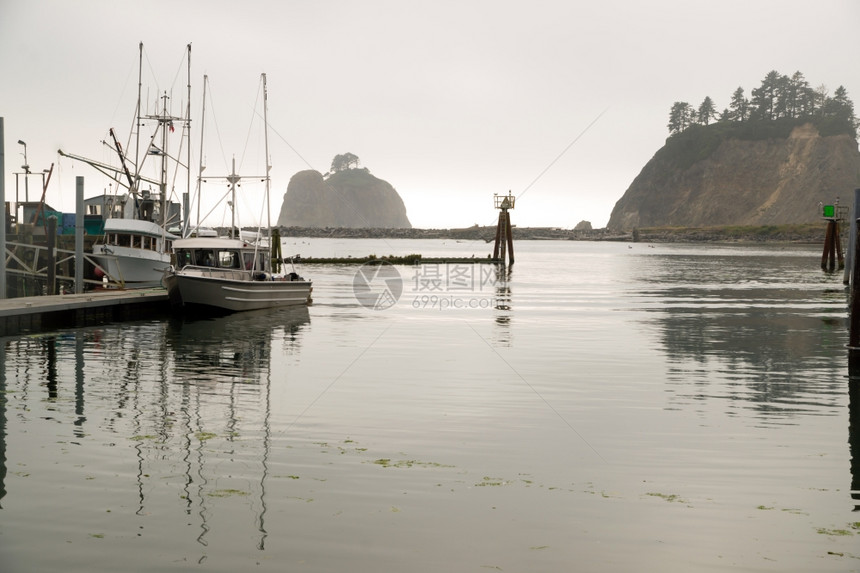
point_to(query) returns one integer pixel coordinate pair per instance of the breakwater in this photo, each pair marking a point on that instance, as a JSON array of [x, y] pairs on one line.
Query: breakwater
[[790, 233]]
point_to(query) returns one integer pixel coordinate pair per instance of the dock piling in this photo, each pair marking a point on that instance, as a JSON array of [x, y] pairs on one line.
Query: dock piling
[[504, 234], [51, 243], [832, 244], [79, 234]]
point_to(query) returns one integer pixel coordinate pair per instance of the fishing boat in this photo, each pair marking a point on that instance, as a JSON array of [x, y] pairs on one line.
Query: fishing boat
[[230, 274], [136, 247], [135, 252]]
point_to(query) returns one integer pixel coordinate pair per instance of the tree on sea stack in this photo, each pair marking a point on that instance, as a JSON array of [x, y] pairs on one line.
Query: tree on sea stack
[[344, 162]]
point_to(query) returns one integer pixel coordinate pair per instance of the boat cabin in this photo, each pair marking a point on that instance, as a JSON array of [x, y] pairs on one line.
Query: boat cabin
[[231, 255], [137, 234]]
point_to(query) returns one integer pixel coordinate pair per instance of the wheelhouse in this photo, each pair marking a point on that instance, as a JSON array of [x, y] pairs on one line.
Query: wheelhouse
[[234, 255]]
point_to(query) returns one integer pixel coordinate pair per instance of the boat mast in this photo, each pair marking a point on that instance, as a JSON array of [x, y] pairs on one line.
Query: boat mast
[[268, 165], [201, 167], [133, 189], [188, 133], [233, 179], [164, 155]]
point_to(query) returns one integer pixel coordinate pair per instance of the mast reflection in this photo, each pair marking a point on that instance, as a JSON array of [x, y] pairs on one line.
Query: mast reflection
[[2, 422], [224, 367], [854, 429]]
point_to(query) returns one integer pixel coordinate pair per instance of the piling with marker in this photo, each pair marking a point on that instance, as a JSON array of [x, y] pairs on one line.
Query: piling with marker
[[504, 234], [832, 253]]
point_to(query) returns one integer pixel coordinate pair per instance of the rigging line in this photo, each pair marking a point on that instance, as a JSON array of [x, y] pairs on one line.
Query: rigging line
[[254, 113], [152, 75], [179, 70], [569, 145], [217, 128], [293, 149], [338, 377], [538, 394], [121, 96], [212, 210]]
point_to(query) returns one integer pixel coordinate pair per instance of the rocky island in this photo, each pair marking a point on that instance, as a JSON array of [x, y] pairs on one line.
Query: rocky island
[[347, 197]]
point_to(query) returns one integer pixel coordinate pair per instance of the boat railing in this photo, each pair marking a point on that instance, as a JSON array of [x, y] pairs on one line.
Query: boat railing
[[218, 272]]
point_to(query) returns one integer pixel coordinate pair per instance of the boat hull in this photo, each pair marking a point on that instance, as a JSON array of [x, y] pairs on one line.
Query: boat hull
[[135, 253], [132, 267], [218, 291]]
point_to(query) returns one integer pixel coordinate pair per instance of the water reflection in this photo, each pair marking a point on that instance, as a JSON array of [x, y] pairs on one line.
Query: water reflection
[[854, 429], [759, 332], [183, 406], [503, 304], [235, 347], [2, 424]]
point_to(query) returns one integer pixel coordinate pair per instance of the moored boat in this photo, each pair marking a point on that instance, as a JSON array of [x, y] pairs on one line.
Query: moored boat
[[215, 274], [136, 248], [135, 252], [230, 275]]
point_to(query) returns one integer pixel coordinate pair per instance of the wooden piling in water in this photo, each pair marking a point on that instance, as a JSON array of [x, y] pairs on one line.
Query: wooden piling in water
[[854, 306], [504, 234], [832, 248], [510, 237]]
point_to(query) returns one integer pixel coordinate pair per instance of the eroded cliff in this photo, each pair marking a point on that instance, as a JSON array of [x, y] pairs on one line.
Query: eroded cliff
[[741, 181]]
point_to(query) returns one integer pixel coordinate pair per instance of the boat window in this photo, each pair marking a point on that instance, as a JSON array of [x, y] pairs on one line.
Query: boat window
[[205, 258], [183, 257], [228, 259], [123, 240]]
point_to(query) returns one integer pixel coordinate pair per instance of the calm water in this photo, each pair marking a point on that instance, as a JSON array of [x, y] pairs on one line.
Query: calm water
[[597, 408]]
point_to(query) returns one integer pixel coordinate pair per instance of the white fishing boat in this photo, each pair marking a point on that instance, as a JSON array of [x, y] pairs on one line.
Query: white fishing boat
[[135, 252], [136, 247], [218, 274]]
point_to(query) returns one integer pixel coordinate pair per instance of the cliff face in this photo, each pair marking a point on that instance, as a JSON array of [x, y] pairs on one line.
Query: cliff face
[[352, 198], [744, 182]]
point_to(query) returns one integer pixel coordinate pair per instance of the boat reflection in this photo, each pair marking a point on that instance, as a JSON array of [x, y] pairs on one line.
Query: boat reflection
[[181, 408], [854, 429], [232, 347], [223, 366]]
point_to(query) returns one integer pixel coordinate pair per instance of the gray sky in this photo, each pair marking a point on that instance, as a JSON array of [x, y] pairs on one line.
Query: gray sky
[[449, 101]]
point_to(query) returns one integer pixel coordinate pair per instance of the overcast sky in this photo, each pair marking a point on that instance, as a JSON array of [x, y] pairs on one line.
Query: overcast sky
[[561, 102]]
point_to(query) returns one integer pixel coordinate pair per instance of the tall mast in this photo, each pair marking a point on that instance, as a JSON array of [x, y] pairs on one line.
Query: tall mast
[[133, 189], [165, 153], [233, 179], [201, 168], [268, 166], [188, 133]]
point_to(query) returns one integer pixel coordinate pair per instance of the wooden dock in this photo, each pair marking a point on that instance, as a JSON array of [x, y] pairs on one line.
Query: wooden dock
[[36, 313]]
